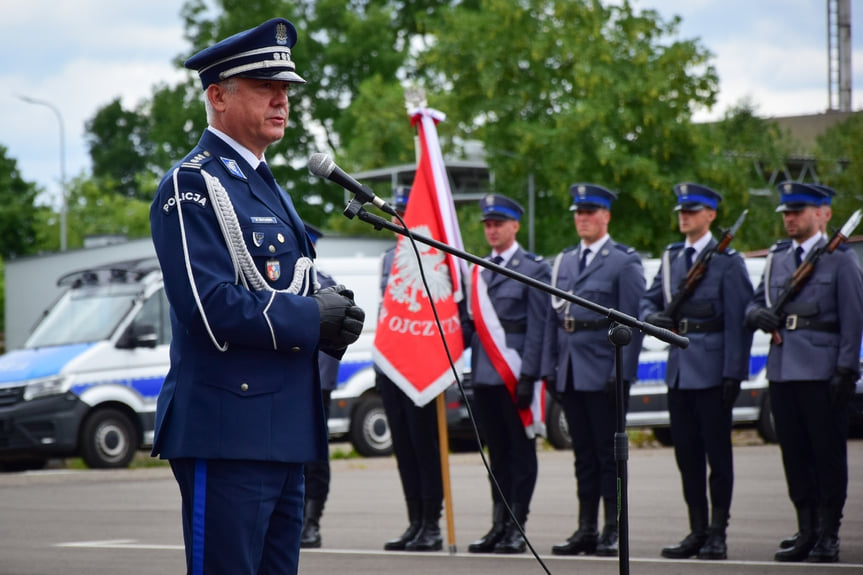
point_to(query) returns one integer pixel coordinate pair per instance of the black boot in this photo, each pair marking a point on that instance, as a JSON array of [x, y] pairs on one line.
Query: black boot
[[512, 540], [789, 542], [826, 549], [414, 522], [311, 534], [585, 538], [692, 542], [715, 546], [428, 538], [805, 540], [498, 525], [606, 546]]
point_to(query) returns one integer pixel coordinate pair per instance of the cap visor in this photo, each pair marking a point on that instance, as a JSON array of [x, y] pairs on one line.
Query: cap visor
[[283, 76], [689, 207], [498, 217]]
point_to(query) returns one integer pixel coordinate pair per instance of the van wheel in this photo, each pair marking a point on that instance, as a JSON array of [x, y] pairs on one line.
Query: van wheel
[[766, 425], [370, 431], [557, 427], [108, 440], [663, 436]]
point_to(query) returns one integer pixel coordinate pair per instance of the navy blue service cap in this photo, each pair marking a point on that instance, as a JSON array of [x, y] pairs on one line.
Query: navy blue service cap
[[794, 196], [313, 232], [694, 197], [497, 207], [828, 191], [590, 197], [400, 197], [264, 53]]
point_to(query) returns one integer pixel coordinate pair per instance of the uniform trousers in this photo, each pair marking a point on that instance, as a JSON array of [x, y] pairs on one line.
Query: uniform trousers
[[812, 436], [318, 472], [415, 442], [592, 420], [701, 432], [240, 517], [512, 454]]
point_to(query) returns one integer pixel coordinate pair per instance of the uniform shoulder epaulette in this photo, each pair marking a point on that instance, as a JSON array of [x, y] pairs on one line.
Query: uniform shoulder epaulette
[[533, 257], [569, 249], [728, 252], [624, 248], [780, 245], [675, 246], [843, 248], [197, 161]]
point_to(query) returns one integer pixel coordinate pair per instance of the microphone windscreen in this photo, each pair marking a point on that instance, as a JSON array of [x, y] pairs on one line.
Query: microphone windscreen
[[321, 165]]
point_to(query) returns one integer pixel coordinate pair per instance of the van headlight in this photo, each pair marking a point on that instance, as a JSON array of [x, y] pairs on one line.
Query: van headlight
[[43, 387]]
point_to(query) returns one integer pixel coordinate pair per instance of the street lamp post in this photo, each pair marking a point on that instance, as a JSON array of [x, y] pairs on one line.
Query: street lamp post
[[62, 165]]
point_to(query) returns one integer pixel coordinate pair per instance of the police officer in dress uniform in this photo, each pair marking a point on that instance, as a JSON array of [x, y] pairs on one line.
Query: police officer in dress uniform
[[522, 312], [812, 372], [578, 352], [317, 473], [415, 443], [240, 410], [703, 379]]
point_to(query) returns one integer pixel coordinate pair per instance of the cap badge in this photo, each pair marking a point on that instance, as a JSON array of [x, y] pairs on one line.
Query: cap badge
[[489, 200], [281, 34], [787, 187], [683, 189], [582, 191]]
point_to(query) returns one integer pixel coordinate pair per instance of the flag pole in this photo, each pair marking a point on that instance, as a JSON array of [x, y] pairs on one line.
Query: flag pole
[[415, 98]]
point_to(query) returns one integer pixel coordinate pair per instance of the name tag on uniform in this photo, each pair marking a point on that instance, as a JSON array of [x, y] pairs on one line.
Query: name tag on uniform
[[263, 220]]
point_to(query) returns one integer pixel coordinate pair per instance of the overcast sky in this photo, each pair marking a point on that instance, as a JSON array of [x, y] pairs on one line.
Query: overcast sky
[[78, 56]]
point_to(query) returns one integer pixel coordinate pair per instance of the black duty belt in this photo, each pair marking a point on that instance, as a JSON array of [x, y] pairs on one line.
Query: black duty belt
[[513, 326], [795, 322], [570, 325], [687, 325]]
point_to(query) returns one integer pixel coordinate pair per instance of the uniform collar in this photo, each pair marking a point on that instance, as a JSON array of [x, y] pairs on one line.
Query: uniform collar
[[596, 246], [506, 254], [808, 244], [699, 246], [243, 151]]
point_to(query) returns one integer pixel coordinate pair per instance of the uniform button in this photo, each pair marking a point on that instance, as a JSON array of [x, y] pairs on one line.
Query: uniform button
[[244, 387], [295, 348], [281, 238], [272, 249]]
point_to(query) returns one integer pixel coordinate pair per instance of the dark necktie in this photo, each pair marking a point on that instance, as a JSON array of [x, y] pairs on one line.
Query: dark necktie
[[583, 262], [798, 256], [285, 200], [690, 251], [497, 260]]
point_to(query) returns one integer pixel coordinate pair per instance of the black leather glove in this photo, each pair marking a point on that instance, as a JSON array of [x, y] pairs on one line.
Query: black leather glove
[[730, 391], [842, 387], [524, 391], [341, 319], [659, 319], [763, 319]]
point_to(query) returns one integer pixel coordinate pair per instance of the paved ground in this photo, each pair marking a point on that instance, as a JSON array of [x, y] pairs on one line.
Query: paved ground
[[127, 522]]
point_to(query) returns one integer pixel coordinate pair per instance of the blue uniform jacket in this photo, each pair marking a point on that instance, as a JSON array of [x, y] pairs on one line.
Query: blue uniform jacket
[[259, 399], [722, 295], [834, 293], [614, 279], [519, 305]]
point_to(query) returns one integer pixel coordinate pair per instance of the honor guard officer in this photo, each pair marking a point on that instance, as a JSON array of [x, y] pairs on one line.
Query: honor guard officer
[[317, 473], [415, 442], [703, 379], [521, 312], [581, 359], [812, 372], [240, 410]]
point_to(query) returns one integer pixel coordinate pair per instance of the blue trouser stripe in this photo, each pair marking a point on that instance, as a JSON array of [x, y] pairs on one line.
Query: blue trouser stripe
[[199, 507]]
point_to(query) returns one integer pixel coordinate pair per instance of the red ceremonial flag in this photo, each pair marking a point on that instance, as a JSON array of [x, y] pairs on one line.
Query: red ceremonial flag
[[408, 346]]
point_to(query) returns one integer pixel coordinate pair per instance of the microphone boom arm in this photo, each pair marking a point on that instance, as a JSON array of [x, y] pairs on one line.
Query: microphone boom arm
[[355, 208]]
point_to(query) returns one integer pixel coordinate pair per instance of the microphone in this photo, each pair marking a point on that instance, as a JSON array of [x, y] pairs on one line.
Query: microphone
[[323, 166]]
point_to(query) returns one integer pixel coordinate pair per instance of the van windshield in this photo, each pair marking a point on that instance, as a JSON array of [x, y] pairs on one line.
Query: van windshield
[[84, 314]]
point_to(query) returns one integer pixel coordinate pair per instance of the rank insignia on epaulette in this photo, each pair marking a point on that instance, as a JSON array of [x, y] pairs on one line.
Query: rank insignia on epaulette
[[233, 167]]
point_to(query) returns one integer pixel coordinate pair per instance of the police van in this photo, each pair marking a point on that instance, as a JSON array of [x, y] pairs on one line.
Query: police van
[[86, 380]]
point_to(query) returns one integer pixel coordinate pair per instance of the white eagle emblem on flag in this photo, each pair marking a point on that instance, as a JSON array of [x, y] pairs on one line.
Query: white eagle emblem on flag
[[405, 283]]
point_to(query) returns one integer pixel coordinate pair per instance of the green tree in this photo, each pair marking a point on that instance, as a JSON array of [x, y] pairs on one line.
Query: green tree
[[840, 163], [17, 209]]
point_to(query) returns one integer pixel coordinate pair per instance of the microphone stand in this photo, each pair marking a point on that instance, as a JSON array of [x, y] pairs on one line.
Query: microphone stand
[[619, 333]]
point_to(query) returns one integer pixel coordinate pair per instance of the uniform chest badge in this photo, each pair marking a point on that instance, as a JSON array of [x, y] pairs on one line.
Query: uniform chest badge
[[274, 270], [233, 167], [258, 238]]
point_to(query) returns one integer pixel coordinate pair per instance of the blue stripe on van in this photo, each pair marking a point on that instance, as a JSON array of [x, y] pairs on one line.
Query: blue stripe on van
[[654, 371], [347, 369], [24, 364], [147, 387]]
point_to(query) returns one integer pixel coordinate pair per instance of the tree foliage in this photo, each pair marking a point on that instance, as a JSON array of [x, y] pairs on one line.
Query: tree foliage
[[18, 212]]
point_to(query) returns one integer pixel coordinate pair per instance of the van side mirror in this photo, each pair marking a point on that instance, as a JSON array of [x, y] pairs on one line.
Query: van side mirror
[[139, 335]]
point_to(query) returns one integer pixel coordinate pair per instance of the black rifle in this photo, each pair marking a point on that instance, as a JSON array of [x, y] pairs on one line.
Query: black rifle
[[804, 271], [699, 268]]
